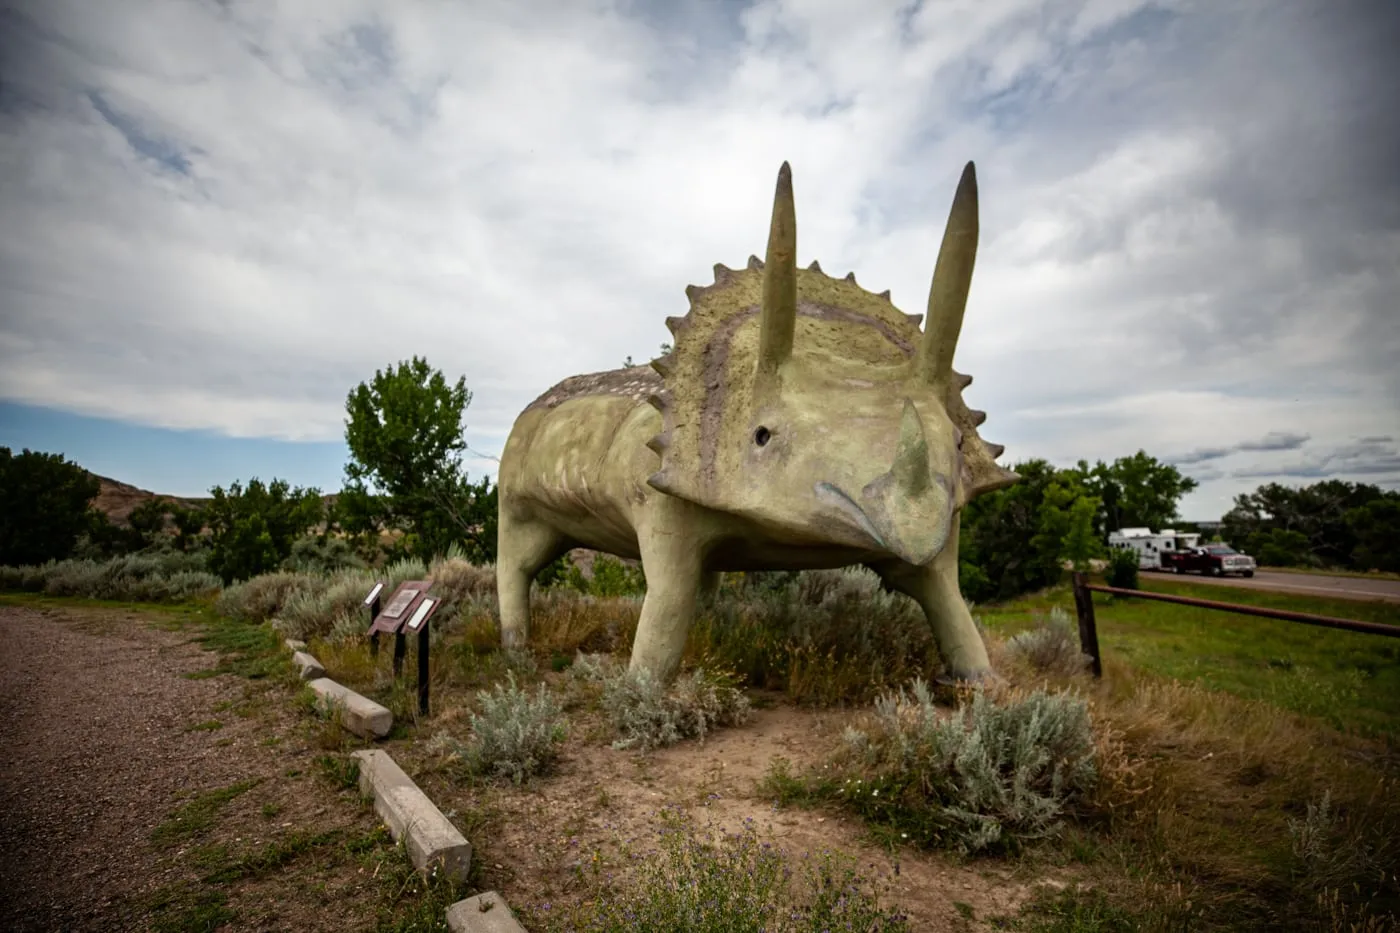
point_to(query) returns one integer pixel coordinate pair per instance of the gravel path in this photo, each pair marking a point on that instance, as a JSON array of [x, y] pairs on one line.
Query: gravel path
[[94, 716]]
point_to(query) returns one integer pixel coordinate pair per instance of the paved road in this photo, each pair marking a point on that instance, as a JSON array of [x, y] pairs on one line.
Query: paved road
[[1304, 584]]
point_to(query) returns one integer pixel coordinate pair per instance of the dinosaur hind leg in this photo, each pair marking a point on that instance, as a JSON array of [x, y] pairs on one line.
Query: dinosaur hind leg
[[523, 548]]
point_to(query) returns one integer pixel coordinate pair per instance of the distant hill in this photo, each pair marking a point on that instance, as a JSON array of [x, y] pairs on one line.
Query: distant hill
[[116, 499]]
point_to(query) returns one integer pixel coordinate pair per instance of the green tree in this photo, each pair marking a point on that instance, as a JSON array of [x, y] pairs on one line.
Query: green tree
[[1376, 527], [1134, 492], [253, 529], [189, 526], [404, 432], [1318, 513], [147, 522], [44, 506], [999, 552]]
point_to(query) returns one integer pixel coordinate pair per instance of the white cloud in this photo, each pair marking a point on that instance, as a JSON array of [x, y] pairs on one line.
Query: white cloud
[[522, 191]]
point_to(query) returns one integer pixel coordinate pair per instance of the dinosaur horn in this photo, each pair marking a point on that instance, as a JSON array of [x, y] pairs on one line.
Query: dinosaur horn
[[910, 469], [952, 277], [779, 315]]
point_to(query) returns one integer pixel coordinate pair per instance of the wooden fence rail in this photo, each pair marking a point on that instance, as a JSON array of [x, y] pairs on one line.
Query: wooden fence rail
[[1089, 632]]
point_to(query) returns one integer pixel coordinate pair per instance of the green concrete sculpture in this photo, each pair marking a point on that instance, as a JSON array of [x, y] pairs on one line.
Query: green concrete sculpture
[[801, 422]]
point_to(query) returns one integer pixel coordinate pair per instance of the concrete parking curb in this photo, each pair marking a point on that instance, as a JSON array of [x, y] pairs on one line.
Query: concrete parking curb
[[358, 714], [310, 668], [484, 913], [427, 834]]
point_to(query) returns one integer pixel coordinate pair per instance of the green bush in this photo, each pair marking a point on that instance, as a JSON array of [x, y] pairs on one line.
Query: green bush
[[989, 776], [311, 554], [1123, 569], [610, 577], [515, 736]]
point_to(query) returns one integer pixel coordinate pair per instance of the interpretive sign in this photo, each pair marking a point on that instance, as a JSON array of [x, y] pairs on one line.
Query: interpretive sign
[[409, 610], [400, 607]]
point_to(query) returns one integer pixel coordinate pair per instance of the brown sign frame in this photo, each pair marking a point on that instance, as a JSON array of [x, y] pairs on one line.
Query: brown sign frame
[[403, 607]]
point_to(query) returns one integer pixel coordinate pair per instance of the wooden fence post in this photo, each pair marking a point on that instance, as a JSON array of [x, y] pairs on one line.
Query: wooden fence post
[[1088, 629]]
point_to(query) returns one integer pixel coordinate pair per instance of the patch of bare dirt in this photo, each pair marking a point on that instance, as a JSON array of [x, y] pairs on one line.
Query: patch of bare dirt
[[106, 742], [538, 836]]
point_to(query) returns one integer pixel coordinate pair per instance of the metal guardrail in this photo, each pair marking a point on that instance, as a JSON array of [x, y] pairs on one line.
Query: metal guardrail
[[1089, 632]]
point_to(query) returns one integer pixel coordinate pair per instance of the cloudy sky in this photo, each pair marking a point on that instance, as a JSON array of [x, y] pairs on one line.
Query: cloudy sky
[[217, 217]]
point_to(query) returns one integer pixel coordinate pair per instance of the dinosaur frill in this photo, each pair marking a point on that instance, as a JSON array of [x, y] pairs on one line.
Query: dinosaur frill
[[739, 333]]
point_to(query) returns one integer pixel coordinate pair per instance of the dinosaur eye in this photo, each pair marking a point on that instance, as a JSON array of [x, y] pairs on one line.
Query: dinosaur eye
[[760, 437]]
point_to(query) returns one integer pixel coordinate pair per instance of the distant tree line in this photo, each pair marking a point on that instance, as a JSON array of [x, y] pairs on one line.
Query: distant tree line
[[406, 494], [1332, 523]]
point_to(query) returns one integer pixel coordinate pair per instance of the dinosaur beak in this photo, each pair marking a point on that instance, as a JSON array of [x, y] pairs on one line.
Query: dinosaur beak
[[907, 510]]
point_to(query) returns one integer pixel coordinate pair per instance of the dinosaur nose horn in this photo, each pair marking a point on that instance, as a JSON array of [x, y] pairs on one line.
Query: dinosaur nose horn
[[911, 467]]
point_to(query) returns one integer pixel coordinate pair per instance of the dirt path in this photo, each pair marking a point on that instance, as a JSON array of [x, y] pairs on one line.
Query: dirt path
[[124, 780]]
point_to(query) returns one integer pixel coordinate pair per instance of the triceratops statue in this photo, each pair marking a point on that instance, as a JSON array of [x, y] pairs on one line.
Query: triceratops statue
[[801, 422]]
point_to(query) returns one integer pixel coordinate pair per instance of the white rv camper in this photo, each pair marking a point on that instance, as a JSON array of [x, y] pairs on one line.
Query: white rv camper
[[1149, 546]]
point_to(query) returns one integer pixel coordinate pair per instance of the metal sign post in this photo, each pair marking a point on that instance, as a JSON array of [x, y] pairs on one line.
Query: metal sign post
[[418, 622]]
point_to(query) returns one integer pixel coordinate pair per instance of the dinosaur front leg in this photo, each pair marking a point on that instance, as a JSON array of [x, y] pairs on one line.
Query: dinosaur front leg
[[935, 588], [672, 563], [523, 548]]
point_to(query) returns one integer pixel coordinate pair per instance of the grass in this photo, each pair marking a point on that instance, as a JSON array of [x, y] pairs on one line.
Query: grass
[[1348, 679], [198, 815]]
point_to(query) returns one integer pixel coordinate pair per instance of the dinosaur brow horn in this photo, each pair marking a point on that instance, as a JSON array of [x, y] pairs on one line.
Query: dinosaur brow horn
[[952, 278], [778, 318]]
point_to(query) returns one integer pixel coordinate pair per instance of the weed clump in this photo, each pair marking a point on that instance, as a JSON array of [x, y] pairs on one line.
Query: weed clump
[[516, 735], [648, 714], [1052, 647], [989, 776]]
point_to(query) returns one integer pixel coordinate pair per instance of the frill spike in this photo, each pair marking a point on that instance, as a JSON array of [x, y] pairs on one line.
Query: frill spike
[[722, 273], [675, 325], [692, 291], [915, 319], [755, 263], [659, 443], [661, 401], [996, 450], [978, 417], [815, 266], [665, 365], [851, 277], [886, 295], [962, 380]]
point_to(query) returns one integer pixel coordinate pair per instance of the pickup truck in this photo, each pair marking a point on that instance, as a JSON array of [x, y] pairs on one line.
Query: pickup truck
[[1214, 559]]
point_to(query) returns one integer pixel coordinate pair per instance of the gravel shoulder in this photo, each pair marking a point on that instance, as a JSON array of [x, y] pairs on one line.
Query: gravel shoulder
[[140, 794]]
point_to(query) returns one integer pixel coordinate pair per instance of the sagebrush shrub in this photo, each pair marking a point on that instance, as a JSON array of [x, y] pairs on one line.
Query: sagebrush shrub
[[516, 734], [149, 577], [648, 713], [822, 636], [989, 775], [1050, 647]]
